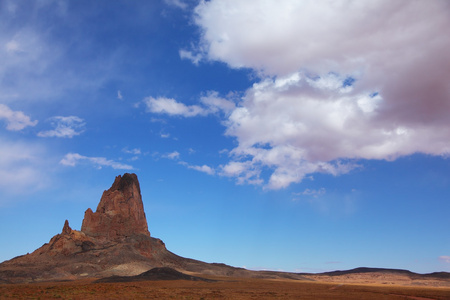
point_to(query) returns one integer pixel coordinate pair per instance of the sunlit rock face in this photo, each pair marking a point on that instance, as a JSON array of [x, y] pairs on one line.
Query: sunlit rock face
[[120, 213]]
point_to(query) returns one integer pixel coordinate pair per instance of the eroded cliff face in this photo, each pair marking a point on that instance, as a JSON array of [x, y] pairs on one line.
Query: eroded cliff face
[[120, 213], [119, 218], [114, 240], [67, 243]]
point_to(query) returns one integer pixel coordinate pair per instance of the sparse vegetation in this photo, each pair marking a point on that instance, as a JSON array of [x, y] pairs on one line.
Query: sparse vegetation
[[229, 288]]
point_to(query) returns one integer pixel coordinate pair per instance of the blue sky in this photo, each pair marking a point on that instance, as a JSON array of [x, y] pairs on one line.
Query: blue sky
[[297, 135]]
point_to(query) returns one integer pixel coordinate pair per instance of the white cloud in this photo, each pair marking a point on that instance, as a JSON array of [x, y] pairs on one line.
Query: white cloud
[[135, 151], [445, 258], [215, 104], [340, 81], [65, 127], [212, 104], [172, 155], [244, 172], [176, 3], [119, 95], [72, 159], [189, 55], [175, 155], [281, 37], [172, 107], [290, 127], [204, 168], [15, 120]]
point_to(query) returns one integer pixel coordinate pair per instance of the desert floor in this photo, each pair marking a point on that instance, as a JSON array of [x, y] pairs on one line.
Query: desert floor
[[224, 288]]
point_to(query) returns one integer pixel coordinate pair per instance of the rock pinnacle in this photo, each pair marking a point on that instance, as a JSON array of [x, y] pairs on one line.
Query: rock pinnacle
[[120, 213]]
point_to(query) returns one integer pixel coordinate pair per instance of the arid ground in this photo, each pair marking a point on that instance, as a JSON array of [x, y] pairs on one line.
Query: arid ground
[[223, 288]]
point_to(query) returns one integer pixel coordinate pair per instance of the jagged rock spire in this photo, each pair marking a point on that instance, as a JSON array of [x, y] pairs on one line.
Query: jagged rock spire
[[120, 212], [66, 228]]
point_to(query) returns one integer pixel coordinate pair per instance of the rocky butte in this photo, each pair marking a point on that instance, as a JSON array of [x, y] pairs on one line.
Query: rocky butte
[[113, 240]]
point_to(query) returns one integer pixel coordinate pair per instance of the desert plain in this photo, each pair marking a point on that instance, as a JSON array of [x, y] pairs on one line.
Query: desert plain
[[220, 288]]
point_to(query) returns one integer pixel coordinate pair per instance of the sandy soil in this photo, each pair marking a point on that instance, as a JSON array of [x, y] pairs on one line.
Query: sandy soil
[[382, 279], [223, 288]]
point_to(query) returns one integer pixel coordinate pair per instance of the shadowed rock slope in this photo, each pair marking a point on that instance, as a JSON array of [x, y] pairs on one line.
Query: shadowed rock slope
[[163, 273], [113, 240]]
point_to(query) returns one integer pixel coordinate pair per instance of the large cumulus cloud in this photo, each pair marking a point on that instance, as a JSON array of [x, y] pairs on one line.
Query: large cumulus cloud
[[339, 81]]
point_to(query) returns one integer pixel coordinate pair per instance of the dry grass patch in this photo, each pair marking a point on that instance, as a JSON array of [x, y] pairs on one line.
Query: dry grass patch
[[225, 288]]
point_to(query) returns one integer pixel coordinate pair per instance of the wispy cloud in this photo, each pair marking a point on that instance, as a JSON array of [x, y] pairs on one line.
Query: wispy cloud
[[203, 168], [65, 127], [119, 95], [13, 47], [445, 259], [312, 192], [41, 65], [72, 159], [214, 103], [172, 155], [340, 204], [245, 172], [177, 3], [15, 120], [189, 55], [172, 107], [175, 155], [23, 167], [134, 151], [211, 104]]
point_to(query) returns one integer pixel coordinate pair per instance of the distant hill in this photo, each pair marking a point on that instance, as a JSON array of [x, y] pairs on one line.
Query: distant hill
[[439, 275]]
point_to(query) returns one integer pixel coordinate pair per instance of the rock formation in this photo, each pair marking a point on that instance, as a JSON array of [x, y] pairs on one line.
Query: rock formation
[[119, 214], [113, 241]]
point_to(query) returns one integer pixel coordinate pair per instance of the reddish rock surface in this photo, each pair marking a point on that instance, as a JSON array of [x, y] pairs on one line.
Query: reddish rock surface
[[119, 214], [66, 243]]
